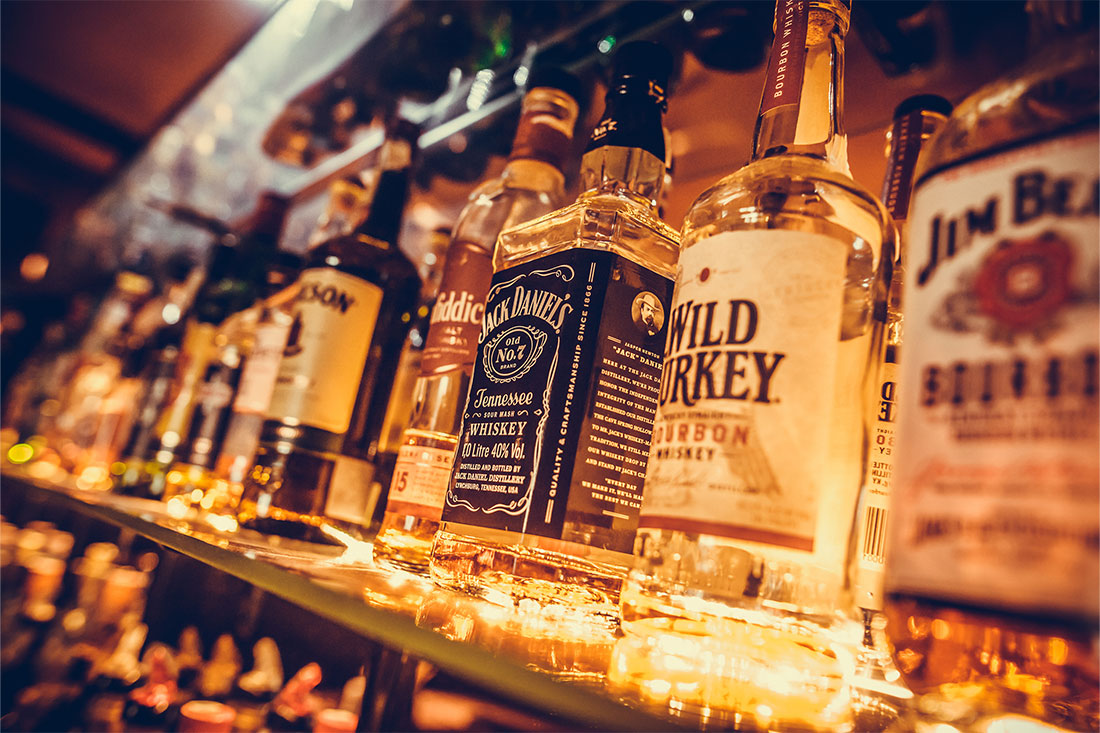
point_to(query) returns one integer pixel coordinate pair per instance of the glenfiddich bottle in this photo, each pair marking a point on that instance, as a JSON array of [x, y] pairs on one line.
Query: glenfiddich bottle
[[532, 184], [758, 449], [992, 579], [356, 297], [235, 278], [543, 499]]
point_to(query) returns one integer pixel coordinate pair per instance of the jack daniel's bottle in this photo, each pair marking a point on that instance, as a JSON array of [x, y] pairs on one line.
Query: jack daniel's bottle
[[759, 444], [992, 579], [531, 185], [355, 302], [543, 499]]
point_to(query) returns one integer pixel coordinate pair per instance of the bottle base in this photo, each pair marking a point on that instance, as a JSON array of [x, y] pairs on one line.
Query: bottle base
[[405, 542], [515, 575]]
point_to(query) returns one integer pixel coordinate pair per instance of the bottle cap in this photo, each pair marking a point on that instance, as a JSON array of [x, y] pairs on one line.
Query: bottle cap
[[644, 60], [930, 102], [636, 98]]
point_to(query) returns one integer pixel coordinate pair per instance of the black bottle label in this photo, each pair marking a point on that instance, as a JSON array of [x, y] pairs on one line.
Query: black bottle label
[[560, 411]]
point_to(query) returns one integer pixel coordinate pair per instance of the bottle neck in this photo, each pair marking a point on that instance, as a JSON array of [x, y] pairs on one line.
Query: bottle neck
[[904, 141], [626, 156], [800, 111], [383, 220], [632, 173]]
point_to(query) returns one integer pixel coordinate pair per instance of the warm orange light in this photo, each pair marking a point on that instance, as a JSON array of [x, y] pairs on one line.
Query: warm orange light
[[34, 266]]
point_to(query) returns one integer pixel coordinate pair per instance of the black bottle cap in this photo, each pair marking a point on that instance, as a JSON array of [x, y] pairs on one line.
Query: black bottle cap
[[643, 59], [556, 77], [636, 97], [399, 128], [930, 102]]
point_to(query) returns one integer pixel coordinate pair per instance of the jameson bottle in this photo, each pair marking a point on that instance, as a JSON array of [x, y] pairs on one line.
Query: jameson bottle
[[532, 184], [992, 583], [234, 280], [356, 296], [543, 499], [758, 449]]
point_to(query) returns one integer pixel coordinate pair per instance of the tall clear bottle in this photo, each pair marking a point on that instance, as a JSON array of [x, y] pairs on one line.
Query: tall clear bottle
[[877, 691], [758, 450], [543, 499], [992, 583], [356, 295], [532, 184]]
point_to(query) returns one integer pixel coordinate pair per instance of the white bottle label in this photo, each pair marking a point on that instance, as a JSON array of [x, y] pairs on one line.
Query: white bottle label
[[322, 365], [420, 479], [874, 508], [997, 487], [261, 368], [741, 435]]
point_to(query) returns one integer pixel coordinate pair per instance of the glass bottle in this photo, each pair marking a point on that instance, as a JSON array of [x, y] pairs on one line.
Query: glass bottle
[[312, 471], [234, 279], [542, 501], [234, 393], [758, 451], [876, 689], [992, 585], [531, 184]]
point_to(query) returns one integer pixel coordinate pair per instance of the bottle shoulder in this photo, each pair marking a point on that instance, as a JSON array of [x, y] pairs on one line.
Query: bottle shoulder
[[792, 192], [1057, 89], [603, 221], [497, 205], [362, 257]]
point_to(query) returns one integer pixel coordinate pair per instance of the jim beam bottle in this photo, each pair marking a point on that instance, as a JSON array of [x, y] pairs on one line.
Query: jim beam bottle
[[234, 280], [356, 295], [532, 184], [992, 596], [543, 499], [758, 449]]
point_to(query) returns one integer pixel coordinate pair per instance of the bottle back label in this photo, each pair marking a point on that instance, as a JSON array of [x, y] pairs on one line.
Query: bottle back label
[[874, 510], [998, 495], [458, 310], [326, 350], [210, 420], [742, 432], [562, 398], [261, 368]]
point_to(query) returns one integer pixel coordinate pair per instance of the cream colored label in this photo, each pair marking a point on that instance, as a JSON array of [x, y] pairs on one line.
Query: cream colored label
[[874, 508], [741, 433], [322, 365], [261, 368], [420, 480], [351, 492], [997, 488]]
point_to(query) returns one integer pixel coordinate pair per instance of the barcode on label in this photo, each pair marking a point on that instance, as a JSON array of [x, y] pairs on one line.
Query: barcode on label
[[874, 534]]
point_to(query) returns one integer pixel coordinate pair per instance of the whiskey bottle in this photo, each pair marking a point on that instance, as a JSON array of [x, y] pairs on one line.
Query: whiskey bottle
[[261, 332], [356, 297], [543, 499], [759, 443], [532, 184], [877, 694], [992, 595], [916, 119], [234, 280], [230, 400]]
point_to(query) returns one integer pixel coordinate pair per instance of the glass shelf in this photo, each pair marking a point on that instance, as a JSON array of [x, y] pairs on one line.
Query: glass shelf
[[553, 664]]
